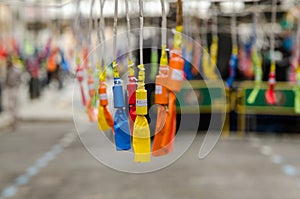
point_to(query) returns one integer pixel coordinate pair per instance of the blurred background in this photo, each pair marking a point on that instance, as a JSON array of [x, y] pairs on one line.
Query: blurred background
[[49, 50]]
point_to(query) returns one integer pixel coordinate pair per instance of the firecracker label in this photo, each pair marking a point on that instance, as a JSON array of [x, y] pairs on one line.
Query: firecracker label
[[91, 86], [158, 89], [141, 103], [177, 74], [103, 96], [80, 74]]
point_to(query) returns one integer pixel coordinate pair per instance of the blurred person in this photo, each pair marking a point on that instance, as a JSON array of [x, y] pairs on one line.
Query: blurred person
[[54, 67], [33, 65], [3, 57], [1, 107], [13, 81], [64, 65]]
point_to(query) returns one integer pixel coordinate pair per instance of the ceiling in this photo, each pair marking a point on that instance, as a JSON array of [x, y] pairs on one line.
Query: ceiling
[[53, 9]]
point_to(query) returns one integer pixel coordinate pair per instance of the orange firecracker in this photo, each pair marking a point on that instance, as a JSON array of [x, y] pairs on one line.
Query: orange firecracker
[[92, 91]]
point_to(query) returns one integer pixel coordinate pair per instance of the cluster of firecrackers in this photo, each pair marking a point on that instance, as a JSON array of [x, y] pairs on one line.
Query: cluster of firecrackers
[[130, 128]]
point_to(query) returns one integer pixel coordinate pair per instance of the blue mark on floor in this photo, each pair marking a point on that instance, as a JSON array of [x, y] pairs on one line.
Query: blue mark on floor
[[290, 170], [32, 171], [277, 159], [22, 180], [9, 192]]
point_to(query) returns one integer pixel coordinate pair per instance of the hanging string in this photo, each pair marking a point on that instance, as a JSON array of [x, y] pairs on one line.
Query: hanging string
[[214, 46], [77, 31], [116, 72], [233, 30], [90, 24], [255, 22], [164, 57], [102, 22], [204, 32], [179, 19], [77, 17], [121, 126], [98, 28], [163, 24], [233, 58], [100, 40], [272, 37], [141, 132], [215, 22], [141, 30], [91, 103], [101, 34], [270, 93], [179, 28], [115, 30], [141, 75], [128, 28], [79, 68], [298, 41], [205, 51], [256, 59]]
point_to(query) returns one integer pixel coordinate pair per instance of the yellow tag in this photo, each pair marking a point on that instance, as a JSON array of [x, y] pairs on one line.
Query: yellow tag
[[164, 57], [141, 102], [235, 50], [178, 37], [116, 72], [273, 67], [130, 70]]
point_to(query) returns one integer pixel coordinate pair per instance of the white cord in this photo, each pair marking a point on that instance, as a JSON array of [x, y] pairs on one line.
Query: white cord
[[128, 29], [233, 30], [101, 36], [77, 21], [215, 22], [90, 23], [115, 30], [204, 32], [141, 30], [272, 37], [163, 24]]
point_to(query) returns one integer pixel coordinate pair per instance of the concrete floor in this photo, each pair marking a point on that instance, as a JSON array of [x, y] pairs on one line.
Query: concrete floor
[[255, 167]]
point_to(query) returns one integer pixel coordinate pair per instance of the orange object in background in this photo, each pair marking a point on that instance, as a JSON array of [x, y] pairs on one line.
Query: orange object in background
[[270, 93], [103, 101], [85, 52], [102, 94], [79, 75], [92, 91], [103, 98], [51, 63], [175, 76], [91, 86], [91, 111]]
